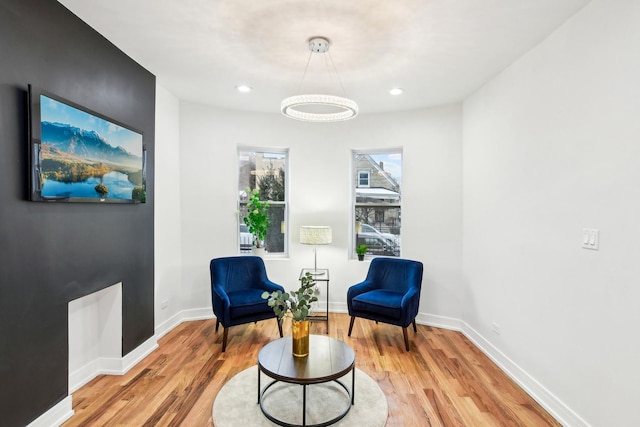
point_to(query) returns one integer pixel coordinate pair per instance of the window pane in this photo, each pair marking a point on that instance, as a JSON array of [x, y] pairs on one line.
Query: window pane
[[363, 179], [378, 177], [264, 171], [246, 239], [381, 237], [275, 240], [377, 201]]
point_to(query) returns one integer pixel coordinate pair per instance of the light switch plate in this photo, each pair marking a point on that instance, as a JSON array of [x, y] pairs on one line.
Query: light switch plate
[[591, 239]]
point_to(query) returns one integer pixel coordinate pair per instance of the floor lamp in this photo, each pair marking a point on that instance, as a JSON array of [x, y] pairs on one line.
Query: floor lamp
[[315, 235]]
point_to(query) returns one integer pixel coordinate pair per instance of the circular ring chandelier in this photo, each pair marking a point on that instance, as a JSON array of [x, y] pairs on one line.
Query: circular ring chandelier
[[334, 108], [346, 108]]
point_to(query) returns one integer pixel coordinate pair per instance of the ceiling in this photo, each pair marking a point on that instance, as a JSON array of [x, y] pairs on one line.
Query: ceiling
[[438, 51]]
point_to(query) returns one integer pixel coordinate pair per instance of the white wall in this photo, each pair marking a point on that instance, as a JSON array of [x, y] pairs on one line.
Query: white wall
[[547, 148], [319, 194], [552, 146], [167, 235]]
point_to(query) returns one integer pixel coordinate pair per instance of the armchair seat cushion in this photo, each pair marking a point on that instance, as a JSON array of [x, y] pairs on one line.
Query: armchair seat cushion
[[247, 302], [383, 302]]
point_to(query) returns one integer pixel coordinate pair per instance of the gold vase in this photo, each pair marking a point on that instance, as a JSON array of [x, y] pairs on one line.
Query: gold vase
[[300, 338]]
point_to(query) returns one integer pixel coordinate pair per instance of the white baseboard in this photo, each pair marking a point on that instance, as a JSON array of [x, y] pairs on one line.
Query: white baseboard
[[335, 307], [135, 356], [55, 416], [116, 366], [183, 316], [421, 318], [110, 365], [83, 375], [197, 314], [439, 321], [62, 411], [120, 366], [558, 409]]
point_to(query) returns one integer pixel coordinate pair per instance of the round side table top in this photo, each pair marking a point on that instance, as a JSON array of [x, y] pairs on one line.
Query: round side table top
[[328, 359]]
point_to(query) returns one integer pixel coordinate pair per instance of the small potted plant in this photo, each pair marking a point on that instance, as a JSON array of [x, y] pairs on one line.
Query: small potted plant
[[257, 219], [361, 250], [296, 305]]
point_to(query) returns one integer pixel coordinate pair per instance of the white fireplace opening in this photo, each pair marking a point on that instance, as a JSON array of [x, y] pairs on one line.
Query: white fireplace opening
[[95, 336]]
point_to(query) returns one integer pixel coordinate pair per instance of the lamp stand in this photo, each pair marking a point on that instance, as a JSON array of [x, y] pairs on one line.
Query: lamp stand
[[315, 271]]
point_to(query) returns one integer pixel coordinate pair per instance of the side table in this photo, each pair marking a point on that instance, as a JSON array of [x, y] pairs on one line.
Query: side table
[[319, 275]]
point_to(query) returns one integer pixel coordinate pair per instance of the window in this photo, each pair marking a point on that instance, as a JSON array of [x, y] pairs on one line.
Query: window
[[265, 171], [363, 178], [377, 200]]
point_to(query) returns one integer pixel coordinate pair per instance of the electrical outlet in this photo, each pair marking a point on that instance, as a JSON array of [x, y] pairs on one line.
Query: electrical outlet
[[495, 328], [164, 304]]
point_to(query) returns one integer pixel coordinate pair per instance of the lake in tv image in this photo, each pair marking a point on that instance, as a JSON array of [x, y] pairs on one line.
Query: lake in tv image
[[85, 156]]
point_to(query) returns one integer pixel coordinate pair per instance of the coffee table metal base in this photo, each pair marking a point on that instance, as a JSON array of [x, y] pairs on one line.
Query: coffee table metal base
[[329, 360], [350, 394]]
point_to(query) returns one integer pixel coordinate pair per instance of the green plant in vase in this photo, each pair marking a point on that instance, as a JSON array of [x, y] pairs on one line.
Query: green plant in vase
[[297, 305], [361, 250], [257, 219]]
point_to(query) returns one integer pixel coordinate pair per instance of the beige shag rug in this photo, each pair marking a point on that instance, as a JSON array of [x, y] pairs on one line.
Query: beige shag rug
[[236, 403]]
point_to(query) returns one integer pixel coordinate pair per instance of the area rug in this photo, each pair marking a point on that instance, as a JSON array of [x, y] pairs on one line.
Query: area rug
[[236, 403]]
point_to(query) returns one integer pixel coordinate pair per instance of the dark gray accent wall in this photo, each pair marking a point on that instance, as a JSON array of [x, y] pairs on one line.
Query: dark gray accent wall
[[52, 253]]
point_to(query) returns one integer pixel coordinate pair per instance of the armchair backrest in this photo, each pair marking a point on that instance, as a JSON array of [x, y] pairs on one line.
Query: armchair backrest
[[395, 274], [238, 272]]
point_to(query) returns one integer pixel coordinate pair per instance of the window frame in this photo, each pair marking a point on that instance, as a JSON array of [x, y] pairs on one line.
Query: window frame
[[284, 226], [354, 180]]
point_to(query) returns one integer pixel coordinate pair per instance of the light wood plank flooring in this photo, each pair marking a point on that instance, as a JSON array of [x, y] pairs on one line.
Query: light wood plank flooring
[[443, 381]]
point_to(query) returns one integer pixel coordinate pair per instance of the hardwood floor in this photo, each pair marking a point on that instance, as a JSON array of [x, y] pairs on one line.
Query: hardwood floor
[[443, 381]]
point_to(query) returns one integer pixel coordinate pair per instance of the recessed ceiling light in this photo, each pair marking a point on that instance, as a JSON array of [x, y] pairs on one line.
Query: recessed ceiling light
[[244, 88], [396, 91]]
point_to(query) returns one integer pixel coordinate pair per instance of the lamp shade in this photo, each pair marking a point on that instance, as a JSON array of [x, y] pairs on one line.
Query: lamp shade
[[315, 235]]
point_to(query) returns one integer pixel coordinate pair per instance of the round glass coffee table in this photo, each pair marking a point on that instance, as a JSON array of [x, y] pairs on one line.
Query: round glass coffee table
[[329, 359]]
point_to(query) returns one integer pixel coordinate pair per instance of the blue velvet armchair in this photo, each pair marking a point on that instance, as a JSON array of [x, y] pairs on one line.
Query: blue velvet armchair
[[237, 284], [390, 294]]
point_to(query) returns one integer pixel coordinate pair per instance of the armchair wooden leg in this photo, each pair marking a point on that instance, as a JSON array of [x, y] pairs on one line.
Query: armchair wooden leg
[[406, 338], [279, 327], [415, 328], [224, 339], [217, 324], [353, 319]]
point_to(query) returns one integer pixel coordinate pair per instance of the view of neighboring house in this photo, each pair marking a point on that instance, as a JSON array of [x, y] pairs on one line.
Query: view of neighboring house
[[377, 209], [372, 180]]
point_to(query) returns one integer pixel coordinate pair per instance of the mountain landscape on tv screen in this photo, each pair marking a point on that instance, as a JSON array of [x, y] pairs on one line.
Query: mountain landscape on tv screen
[[74, 161], [88, 145]]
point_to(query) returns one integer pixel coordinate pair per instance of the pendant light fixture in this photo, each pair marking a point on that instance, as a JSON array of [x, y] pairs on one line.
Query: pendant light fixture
[[315, 107]]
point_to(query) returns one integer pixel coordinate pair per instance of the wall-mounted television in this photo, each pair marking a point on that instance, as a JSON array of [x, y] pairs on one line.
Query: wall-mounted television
[[78, 155]]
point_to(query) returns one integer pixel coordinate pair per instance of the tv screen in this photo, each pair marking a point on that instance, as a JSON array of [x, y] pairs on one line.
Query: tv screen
[[78, 155]]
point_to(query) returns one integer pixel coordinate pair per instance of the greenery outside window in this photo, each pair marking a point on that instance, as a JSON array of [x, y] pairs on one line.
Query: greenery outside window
[[266, 171], [377, 197]]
